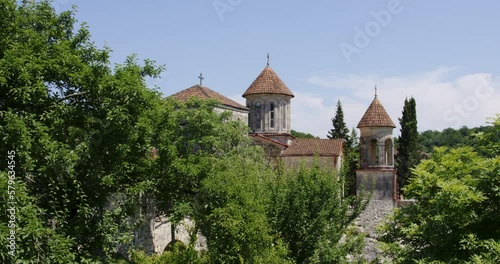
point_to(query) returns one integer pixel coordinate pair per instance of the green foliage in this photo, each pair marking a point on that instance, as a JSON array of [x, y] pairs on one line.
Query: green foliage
[[311, 216], [350, 164], [488, 140], [179, 254], [452, 138], [408, 146], [299, 134], [33, 240], [206, 168], [340, 129], [455, 216], [81, 130], [233, 217]]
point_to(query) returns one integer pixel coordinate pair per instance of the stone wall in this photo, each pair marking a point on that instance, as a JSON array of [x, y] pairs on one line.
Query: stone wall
[[381, 182], [237, 114], [326, 162], [156, 233], [368, 221]]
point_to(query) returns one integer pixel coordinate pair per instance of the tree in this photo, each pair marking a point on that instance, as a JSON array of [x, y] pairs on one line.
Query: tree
[[31, 240], [311, 216], [340, 129], [350, 165], [452, 138], [408, 147], [455, 216], [80, 130], [489, 138], [233, 211], [206, 169]]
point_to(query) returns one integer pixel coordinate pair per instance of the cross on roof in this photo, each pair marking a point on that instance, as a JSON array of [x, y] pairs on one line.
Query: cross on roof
[[201, 78]]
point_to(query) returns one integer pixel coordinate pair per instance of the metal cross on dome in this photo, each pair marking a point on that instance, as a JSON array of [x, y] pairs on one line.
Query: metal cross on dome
[[201, 78]]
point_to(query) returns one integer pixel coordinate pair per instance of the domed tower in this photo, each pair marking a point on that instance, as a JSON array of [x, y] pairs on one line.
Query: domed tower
[[377, 153], [268, 99]]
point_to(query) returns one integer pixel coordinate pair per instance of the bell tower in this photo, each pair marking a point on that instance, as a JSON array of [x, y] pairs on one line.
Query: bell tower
[[376, 172], [269, 101]]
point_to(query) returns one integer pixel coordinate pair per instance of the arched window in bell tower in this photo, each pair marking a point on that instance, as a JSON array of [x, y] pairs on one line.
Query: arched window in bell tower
[[257, 115], [271, 114], [388, 153]]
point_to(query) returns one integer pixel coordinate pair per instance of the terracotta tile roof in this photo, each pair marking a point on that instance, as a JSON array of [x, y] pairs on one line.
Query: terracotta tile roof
[[203, 92], [314, 146], [268, 82], [376, 116]]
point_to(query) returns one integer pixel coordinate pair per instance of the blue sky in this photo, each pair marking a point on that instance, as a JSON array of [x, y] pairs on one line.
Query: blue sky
[[444, 53]]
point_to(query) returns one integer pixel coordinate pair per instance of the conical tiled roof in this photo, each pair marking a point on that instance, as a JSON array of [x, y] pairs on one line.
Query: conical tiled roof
[[268, 82], [203, 92], [376, 116]]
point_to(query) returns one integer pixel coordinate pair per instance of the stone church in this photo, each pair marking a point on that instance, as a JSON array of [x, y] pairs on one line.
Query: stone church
[[268, 114]]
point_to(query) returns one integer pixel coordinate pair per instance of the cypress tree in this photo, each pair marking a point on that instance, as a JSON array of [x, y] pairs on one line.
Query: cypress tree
[[408, 145], [351, 152], [340, 129]]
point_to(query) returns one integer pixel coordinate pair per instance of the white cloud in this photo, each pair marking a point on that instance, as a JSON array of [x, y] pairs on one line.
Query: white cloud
[[441, 101]]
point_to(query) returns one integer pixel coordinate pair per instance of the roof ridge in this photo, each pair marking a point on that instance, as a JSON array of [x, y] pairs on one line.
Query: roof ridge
[[204, 92], [201, 87]]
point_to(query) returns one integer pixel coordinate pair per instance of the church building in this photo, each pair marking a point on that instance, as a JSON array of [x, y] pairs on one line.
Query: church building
[[268, 114]]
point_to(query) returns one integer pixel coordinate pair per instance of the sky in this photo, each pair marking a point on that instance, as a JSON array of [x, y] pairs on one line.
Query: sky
[[445, 54]]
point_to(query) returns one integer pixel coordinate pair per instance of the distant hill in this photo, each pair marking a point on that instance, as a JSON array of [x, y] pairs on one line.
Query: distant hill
[[452, 138], [298, 134]]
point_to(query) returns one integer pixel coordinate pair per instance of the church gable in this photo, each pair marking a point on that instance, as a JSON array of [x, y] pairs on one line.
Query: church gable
[[203, 92]]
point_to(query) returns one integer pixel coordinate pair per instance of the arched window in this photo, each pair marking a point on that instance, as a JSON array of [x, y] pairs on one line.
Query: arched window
[[257, 115], [271, 107], [388, 152], [373, 152]]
